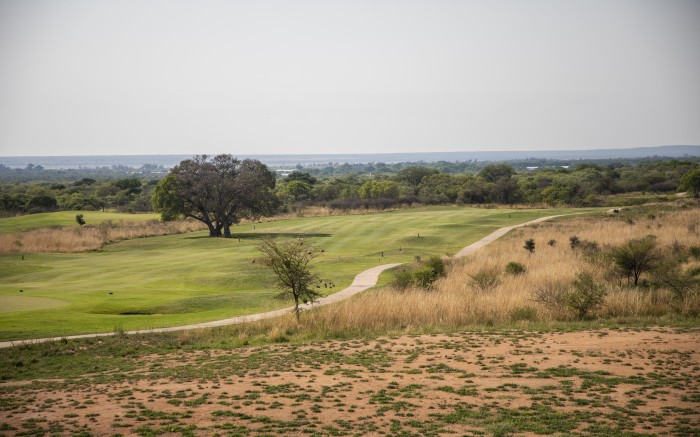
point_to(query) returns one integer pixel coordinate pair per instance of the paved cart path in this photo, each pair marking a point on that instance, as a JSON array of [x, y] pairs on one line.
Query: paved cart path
[[362, 282]]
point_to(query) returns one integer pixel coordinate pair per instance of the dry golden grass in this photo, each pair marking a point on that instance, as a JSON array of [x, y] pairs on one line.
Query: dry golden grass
[[454, 302], [86, 238]]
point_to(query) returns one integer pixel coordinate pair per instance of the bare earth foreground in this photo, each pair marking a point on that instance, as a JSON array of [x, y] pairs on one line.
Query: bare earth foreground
[[606, 382]]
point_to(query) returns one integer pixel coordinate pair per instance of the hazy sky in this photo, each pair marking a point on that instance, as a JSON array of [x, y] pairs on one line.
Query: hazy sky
[[298, 76]]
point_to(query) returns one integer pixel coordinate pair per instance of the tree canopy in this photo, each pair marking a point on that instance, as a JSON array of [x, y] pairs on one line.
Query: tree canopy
[[217, 191], [291, 263]]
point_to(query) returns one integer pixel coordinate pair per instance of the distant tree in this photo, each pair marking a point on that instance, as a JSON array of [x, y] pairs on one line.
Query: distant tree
[[636, 257], [690, 182], [130, 185], [530, 246], [379, 190], [300, 176], [79, 219], [494, 172], [84, 181], [291, 263], [40, 203], [297, 189], [414, 175], [218, 192]]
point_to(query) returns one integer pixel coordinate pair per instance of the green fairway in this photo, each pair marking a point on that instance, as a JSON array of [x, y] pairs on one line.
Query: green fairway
[[67, 218], [187, 278]]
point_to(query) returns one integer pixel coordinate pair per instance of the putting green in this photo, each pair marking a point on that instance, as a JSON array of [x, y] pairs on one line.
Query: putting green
[[190, 278], [10, 304]]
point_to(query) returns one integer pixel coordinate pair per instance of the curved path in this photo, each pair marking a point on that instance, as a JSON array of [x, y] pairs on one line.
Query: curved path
[[362, 282]]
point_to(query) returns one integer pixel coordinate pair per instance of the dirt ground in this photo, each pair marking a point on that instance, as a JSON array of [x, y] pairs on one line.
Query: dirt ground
[[607, 382]]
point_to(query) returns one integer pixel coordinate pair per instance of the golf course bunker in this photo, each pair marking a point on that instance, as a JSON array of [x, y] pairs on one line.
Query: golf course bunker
[[10, 304]]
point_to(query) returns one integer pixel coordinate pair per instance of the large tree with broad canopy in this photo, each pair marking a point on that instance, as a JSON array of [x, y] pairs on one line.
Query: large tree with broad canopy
[[217, 191]]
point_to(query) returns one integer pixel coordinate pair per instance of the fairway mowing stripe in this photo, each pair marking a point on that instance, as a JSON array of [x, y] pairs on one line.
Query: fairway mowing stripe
[[363, 281]]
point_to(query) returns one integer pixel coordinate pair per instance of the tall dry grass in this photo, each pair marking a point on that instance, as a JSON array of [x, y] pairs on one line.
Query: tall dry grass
[[455, 302], [86, 238]]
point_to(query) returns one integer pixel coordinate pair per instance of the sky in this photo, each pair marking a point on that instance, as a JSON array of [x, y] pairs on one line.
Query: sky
[[104, 77]]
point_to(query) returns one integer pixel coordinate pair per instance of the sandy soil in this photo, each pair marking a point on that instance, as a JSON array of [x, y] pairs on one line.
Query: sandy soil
[[603, 382]]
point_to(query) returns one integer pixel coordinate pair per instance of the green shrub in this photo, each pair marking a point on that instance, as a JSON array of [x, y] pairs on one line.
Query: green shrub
[[524, 313], [586, 296], [515, 268], [403, 279], [424, 277], [573, 242], [437, 264], [529, 246], [695, 251]]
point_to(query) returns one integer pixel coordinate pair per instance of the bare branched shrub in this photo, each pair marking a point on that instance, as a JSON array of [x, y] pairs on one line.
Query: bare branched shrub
[[552, 294], [485, 279]]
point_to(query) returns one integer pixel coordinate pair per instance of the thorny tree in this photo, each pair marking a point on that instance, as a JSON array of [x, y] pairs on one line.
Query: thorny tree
[[291, 262]]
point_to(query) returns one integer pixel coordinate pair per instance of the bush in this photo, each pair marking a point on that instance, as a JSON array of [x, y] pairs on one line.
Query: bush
[[423, 275], [551, 294], [403, 279], [524, 313], [437, 264], [515, 268], [573, 241], [586, 295], [695, 251], [485, 279], [529, 246]]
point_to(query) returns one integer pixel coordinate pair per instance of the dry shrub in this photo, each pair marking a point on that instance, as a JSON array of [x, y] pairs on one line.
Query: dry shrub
[[86, 238]]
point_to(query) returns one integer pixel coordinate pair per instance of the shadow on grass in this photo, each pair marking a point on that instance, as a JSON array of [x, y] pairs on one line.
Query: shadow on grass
[[261, 235]]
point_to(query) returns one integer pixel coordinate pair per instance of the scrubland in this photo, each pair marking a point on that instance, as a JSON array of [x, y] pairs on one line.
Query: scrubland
[[465, 299]]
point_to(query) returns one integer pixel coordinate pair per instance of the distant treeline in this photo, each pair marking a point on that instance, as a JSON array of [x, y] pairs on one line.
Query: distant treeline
[[582, 185], [349, 186]]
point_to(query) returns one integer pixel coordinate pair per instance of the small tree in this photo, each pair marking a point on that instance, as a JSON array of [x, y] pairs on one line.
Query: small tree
[[574, 242], [691, 183], [636, 257], [79, 219], [290, 261], [530, 246]]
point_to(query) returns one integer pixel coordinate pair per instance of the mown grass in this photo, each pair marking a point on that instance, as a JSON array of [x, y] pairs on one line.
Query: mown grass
[[181, 279]]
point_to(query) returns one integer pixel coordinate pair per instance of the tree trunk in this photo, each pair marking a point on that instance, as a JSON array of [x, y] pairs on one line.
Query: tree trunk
[[296, 306], [227, 230]]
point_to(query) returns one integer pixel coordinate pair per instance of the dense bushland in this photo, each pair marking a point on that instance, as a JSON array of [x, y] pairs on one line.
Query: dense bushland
[[375, 186]]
